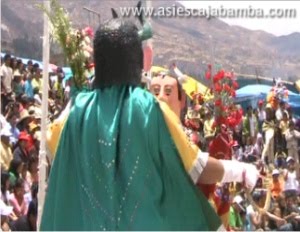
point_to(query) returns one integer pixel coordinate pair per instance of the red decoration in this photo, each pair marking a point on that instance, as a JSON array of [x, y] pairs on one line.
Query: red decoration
[[227, 115], [208, 72], [148, 55]]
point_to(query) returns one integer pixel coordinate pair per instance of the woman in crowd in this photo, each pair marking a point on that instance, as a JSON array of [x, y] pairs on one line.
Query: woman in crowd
[[15, 170], [4, 186], [17, 199]]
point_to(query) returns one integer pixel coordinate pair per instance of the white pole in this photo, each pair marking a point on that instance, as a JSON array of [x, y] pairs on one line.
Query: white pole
[[42, 155], [149, 42], [1, 64], [212, 56]]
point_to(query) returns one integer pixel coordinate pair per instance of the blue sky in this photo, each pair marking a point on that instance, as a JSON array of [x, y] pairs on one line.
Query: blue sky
[[279, 26]]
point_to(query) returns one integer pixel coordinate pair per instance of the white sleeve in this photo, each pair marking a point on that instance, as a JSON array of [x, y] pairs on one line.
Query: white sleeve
[[235, 171], [199, 165]]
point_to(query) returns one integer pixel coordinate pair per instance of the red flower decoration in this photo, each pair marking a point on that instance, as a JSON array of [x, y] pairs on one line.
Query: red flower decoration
[[227, 88], [208, 75], [235, 85], [233, 94], [218, 102], [218, 87]]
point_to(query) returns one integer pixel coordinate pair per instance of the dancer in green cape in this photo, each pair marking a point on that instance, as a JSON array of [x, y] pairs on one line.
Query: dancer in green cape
[[122, 160]]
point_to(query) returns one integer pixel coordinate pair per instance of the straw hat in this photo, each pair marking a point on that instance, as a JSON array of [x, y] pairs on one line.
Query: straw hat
[[23, 115], [33, 126]]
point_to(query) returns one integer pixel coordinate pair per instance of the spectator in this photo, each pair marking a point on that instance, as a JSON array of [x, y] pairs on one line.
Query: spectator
[[261, 114], [13, 120], [208, 130], [13, 64], [292, 136], [290, 177], [276, 220], [17, 84], [276, 185], [17, 200], [280, 110], [6, 80], [29, 87], [36, 96], [291, 213], [20, 67], [269, 131], [283, 126], [5, 213], [25, 119], [235, 220], [58, 85], [33, 169], [15, 170], [6, 153], [25, 175], [29, 67], [32, 195], [249, 153], [20, 151], [236, 151], [254, 219], [27, 222], [37, 80], [67, 92], [4, 186], [258, 146], [250, 125]]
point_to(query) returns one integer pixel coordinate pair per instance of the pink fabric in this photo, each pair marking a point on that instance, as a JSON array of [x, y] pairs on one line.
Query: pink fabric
[[19, 209]]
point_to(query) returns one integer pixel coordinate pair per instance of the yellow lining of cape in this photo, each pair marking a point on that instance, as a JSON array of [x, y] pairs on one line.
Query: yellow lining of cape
[[187, 152], [54, 133]]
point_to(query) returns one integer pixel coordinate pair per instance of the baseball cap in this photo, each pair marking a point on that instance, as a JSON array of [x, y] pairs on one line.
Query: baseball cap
[[289, 159], [275, 172], [5, 131]]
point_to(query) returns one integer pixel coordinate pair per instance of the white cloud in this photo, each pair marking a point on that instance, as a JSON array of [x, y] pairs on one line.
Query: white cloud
[[277, 26]]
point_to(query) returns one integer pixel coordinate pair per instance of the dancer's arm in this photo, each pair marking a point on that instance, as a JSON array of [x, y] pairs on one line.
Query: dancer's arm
[[226, 171], [201, 167]]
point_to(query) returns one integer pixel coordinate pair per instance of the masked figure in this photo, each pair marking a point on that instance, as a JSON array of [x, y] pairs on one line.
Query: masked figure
[[167, 88], [122, 161]]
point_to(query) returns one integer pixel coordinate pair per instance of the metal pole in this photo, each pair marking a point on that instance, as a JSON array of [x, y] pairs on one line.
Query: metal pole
[[42, 155], [149, 42], [0, 67], [212, 56]]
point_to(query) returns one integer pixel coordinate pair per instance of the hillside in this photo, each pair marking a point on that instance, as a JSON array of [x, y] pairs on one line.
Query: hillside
[[187, 41]]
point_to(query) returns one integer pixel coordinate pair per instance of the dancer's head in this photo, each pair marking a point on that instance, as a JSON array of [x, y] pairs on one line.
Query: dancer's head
[[168, 89], [118, 52]]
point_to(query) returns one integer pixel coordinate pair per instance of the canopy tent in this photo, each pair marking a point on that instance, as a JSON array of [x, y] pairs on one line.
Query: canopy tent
[[297, 85], [251, 94], [191, 85]]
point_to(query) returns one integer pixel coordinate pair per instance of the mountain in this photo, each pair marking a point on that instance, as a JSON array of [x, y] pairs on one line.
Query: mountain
[[190, 42]]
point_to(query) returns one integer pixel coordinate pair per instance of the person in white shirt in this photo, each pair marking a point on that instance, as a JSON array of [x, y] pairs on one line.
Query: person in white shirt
[[261, 114], [6, 82], [280, 110], [6, 75], [292, 136], [290, 177]]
